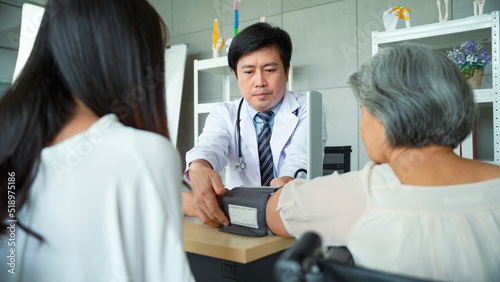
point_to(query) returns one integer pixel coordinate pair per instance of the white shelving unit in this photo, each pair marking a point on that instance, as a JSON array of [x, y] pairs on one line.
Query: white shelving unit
[[217, 66], [445, 35]]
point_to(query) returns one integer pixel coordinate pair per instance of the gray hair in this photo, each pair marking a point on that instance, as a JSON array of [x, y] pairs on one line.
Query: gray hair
[[419, 95]]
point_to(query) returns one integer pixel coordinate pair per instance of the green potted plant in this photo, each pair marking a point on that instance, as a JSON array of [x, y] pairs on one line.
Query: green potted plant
[[471, 59]]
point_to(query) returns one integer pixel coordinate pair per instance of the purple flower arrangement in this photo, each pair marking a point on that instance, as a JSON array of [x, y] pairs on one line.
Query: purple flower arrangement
[[470, 56]]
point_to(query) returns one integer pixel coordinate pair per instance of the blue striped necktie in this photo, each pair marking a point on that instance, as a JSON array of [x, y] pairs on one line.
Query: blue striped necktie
[[265, 155]]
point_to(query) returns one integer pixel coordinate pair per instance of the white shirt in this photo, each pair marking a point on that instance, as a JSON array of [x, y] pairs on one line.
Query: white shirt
[[439, 232], [258, 122], [218, 142], [107, 202]]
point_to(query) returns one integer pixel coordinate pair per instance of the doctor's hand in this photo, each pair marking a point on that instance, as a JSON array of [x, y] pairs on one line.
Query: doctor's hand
[[188, 208], [207, 189], [280, 181]]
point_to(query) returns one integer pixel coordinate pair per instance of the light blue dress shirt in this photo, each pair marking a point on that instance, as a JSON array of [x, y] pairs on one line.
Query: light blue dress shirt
[[259, 123]]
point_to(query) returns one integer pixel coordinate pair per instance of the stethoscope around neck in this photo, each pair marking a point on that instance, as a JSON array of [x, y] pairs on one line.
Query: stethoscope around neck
[[240, 164]]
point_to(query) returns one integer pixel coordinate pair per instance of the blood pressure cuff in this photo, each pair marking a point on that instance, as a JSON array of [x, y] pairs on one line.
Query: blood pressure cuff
[[246, 210]]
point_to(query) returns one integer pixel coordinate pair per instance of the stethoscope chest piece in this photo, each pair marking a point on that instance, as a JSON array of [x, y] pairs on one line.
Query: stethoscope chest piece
[[240, 164]]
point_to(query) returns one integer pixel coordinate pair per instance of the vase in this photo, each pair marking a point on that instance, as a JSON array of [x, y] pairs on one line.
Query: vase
[[474, 77]]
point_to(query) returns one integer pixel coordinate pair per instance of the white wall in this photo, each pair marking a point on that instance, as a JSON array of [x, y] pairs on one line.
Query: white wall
[[7, 62], [331, 40], [9, 42]]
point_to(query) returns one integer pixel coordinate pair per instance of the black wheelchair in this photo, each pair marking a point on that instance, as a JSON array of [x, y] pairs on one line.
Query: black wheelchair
[[308, 261]]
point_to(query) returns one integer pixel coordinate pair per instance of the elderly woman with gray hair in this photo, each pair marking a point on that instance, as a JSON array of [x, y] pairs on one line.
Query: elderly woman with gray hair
[[416, 208]]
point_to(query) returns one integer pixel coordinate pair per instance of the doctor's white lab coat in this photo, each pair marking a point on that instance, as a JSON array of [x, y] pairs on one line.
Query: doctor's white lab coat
[[217, 144]]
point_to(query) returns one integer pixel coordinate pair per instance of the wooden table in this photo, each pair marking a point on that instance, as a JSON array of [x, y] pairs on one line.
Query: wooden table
[[220, 256]]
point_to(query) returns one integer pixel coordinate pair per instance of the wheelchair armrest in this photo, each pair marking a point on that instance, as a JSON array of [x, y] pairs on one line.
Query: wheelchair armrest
[[297, 260], [339, 255], [305, 261]]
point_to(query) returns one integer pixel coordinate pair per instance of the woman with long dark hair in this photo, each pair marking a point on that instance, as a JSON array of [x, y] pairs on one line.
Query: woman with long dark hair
[[88, 178]]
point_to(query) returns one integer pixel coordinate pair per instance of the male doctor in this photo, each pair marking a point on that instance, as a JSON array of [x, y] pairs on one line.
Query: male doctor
[[235, 133]]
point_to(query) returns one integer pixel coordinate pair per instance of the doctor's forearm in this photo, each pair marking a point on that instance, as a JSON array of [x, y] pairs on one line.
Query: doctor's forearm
[[197, 162]]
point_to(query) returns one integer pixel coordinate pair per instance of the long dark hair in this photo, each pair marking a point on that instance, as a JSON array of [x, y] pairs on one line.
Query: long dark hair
[[109, 54]]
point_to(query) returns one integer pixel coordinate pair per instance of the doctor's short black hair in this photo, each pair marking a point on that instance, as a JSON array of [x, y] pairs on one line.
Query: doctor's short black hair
[[258, 36]]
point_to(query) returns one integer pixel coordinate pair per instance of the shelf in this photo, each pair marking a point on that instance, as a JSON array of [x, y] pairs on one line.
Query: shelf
[[215, 65], [484, 29], [5, 79], [205, 108], [470, 25], [484, 96], [476, 28]]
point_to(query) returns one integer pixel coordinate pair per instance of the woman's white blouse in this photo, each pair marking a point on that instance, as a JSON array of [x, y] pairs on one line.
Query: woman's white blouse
[[107, 203], [440, 232]]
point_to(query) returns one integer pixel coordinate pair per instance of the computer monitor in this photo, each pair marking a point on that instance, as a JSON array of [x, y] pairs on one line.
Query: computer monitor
[[314, 135]]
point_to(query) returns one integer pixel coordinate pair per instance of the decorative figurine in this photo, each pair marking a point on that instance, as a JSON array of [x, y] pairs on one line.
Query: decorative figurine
[[480, 4], [441, 18], [236, 16], [392, 15], [217, 39]]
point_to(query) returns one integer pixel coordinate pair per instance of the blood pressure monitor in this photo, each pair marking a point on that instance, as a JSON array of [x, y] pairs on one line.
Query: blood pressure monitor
[[246, 209]]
